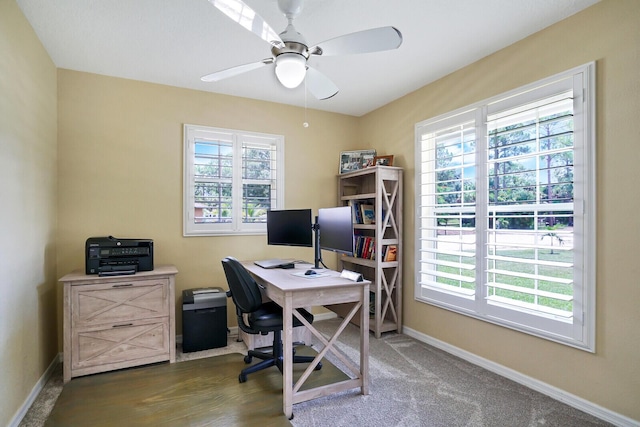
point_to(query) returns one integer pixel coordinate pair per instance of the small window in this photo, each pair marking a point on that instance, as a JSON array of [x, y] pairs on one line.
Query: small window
[[231, 179], [505, 194]]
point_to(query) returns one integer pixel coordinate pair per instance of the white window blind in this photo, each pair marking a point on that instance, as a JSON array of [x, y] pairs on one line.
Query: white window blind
[[531, 206], [506, 206], [231, 179], [448, 207]]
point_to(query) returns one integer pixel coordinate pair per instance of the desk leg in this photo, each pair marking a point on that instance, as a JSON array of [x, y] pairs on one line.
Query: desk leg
[[287, 369], [364, 340]]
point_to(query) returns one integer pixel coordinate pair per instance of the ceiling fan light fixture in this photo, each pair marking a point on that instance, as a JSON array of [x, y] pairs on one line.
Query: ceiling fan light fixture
[[291, 69]]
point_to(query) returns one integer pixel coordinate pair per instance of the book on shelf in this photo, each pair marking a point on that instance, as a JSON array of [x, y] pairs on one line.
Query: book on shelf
[[362, 213], [390, 253], [368, 214], [370, 248], [356, 212], [365, 247]]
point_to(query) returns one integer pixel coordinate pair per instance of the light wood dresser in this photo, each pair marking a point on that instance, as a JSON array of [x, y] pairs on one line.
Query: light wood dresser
[[118, 321]]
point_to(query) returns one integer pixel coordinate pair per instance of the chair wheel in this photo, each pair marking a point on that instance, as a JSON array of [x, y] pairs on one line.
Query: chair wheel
[[242, 378], [318, 366], [247, 360]]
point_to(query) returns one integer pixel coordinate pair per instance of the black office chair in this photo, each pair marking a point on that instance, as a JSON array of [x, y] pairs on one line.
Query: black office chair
[[261, 318]]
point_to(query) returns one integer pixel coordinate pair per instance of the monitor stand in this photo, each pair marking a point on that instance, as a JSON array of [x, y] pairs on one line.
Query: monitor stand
[[317, 258]]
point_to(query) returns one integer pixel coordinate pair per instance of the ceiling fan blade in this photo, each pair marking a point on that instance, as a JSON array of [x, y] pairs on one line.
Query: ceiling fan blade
[[239, 12], [373, 40], [320, 85], [234, 71]]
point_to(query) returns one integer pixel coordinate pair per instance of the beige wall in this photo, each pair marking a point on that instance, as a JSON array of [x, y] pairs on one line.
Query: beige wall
[[121, 158], [28, 174], [608, 33]]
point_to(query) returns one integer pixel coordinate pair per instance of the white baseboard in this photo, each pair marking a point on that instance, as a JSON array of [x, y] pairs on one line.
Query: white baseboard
[[35, 391], [539, 386]]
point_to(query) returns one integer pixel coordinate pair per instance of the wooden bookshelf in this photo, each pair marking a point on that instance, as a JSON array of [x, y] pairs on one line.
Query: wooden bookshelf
[[379, 187]]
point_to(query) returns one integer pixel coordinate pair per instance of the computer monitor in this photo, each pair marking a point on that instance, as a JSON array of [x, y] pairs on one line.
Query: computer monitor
[[290, 227], [334, 230]]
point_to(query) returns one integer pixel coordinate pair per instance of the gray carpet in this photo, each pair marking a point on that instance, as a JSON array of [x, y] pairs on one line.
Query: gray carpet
[[412, 384]]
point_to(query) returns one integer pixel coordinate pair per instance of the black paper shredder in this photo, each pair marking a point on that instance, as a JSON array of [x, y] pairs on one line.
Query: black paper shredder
[[204, 319]]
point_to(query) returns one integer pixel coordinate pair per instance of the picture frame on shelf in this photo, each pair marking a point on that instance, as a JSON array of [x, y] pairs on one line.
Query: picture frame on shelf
[[357, 159], [383, 160]]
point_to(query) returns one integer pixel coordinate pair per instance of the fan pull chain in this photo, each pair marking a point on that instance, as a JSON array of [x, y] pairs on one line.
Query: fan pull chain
[[305, 124]]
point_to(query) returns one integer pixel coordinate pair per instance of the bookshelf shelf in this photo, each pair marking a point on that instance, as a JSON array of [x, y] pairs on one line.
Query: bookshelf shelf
[[375, 195], [364, 226], [359, 196]]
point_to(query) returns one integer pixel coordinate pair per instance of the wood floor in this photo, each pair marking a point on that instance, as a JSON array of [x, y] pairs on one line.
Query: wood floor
[[199, 392]]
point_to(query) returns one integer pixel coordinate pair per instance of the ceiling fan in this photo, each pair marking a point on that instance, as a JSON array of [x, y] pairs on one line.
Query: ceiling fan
[[290, 50]]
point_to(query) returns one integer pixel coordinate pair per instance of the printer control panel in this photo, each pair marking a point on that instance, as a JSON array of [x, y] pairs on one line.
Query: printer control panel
[[119, 251]]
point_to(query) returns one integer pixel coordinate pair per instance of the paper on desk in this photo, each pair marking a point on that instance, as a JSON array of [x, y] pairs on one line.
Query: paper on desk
[[310, 276]]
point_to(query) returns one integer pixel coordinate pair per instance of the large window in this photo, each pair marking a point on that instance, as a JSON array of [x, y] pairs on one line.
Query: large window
[[231, 179], [505, 196]]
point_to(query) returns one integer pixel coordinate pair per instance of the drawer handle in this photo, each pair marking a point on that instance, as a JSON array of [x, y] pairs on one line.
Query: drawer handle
[[122, 286], [123, 326]]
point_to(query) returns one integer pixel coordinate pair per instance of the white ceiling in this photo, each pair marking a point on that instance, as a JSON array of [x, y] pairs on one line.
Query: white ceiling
[[175, 42]]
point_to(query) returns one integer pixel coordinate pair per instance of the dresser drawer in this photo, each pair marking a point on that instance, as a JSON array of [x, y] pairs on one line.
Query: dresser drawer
[[119, 302], [120, 344]]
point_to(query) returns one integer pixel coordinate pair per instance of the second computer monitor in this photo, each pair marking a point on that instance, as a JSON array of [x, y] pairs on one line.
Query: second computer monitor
[[336, 229]]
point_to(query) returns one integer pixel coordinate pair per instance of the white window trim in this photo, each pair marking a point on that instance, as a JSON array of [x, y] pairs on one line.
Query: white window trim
[[237, 138], [582, 331]]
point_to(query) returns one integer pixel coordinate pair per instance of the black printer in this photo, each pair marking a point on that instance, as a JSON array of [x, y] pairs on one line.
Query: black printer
[[109, 256]]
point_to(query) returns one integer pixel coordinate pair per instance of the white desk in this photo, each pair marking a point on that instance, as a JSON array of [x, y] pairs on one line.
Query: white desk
[[290, 291]]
